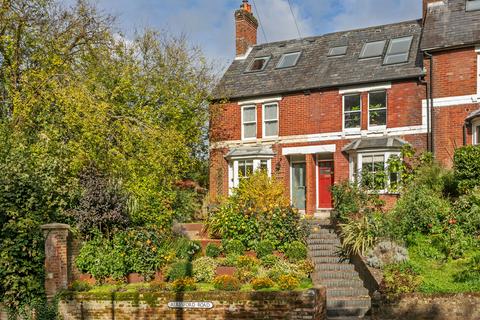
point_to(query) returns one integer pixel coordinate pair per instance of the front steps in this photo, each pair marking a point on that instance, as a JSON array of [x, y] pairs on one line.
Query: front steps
[[347, 298]]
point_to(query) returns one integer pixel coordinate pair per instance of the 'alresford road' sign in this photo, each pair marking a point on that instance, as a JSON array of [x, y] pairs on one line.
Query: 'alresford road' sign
[[190, 305]]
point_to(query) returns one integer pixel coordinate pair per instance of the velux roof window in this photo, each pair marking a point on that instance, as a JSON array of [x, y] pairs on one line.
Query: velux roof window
[[373, 49], [337, 51], [258, 64], [398, 50], [473, 5], [288, 60]]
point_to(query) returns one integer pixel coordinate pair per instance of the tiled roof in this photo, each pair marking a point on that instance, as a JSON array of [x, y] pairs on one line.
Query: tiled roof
[[250, 152], [374, 143], [315, 69], [447, 24]]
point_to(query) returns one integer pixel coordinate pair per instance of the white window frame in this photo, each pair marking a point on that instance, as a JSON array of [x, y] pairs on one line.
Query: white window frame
[[233, 173], [282, 59], [382, 127], [250, 122], [264, 121], [475, 137], [471, 9], [359, 156], [356, 130]]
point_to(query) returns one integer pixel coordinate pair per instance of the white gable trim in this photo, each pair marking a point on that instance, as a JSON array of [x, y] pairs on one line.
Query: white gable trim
[[260, 100], [328, 148], [374, 87]]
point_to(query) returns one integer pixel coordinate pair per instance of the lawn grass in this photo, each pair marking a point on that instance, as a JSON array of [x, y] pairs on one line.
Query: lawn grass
[[438, 274]]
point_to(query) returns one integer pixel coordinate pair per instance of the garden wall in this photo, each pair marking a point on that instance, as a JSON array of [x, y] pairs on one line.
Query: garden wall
[[435, 307], [309, 304]]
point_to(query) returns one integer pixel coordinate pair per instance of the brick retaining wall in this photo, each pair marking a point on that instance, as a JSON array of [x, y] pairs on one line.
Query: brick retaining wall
[[431, 307], [309, 304]]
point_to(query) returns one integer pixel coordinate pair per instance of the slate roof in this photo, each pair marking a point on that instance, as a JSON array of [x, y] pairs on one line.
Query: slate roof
[[315, 69], [447, 24], [374, 143]]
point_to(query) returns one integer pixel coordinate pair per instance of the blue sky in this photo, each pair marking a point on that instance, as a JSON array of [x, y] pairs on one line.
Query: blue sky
[[210, 25]]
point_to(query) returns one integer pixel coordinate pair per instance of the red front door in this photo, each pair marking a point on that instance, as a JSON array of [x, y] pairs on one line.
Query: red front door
[[325, 182]]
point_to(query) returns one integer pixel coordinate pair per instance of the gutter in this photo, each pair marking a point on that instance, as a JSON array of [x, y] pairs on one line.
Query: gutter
[[430, 114]]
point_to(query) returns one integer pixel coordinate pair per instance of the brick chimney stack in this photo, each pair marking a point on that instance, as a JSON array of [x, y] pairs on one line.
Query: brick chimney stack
[[245, 28]]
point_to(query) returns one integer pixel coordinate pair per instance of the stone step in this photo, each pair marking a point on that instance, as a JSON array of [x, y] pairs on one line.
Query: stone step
[[324, 253], [346, 292], [329, 259], [334, 267], [325, 246], [340, 313], [352, 274], [332, 241], [322, 230], [342, 283], [323, 235], [349, 302]]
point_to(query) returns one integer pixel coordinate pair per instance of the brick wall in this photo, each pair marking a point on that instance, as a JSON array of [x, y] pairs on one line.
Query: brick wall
[[293, 305], [435, 307]]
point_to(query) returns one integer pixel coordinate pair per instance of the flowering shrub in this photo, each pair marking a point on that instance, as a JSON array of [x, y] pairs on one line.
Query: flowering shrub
[[226, 283], [305, 266], [282, 268], [258, 210], [247, 262], [262, 283], [398, 279], [204, 269], [269, 261], [287, 282], [183, 284]]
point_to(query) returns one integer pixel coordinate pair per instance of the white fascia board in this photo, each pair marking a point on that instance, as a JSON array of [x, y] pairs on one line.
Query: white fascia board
[[328, 148], [366, 88], [452, 101], [260, 101], [244, 56]]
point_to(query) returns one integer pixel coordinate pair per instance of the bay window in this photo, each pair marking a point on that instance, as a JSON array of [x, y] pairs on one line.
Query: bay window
[[377, 109], [371, 170], [242, 168], [249, 122], [352, 112]]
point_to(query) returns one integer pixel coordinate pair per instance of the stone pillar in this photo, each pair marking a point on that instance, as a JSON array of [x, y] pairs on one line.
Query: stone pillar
[[311, 184], [56, 257]]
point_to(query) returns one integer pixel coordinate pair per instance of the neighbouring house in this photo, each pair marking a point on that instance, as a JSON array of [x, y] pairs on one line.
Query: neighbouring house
[[324, 109]]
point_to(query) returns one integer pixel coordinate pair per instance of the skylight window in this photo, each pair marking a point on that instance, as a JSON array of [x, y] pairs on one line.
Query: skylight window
[[337, 51], [398, 50], [473, 5], [288, 60], [258, 64], [373, 49]]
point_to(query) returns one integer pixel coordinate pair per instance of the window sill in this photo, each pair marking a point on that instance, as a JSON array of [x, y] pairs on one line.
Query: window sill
[[352, 131]]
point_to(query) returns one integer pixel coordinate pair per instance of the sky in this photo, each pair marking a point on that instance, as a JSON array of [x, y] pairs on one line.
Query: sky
[[210, 23]]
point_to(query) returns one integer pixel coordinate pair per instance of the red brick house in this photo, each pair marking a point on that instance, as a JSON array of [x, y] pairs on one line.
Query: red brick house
[[320, 110]]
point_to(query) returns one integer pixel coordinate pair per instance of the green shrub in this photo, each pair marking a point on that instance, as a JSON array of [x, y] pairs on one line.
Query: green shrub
[[467, 211], [295, 251], [305, 266], [245, 275], [183, 284], [398, 279], [213, 251], [179, 270], [287, 282], [466, 164], [234, 247], [264, 248], [261, 283], [269, 261], [358, 234], [229, 261], [282, 268], [204, 269], [226, 283], [80, 286], [257, 210], [186, 249], [418, 210], [471, 271]]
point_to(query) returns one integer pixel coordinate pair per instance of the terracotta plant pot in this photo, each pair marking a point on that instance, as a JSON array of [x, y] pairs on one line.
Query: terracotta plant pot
[[228, 271], [84, 277], [135, 278]]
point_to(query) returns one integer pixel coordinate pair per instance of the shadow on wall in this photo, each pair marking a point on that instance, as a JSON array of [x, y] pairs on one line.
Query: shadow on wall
[[422, 311]]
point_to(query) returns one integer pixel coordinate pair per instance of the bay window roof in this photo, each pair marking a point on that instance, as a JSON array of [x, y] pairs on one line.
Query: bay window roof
[[375, 143]]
